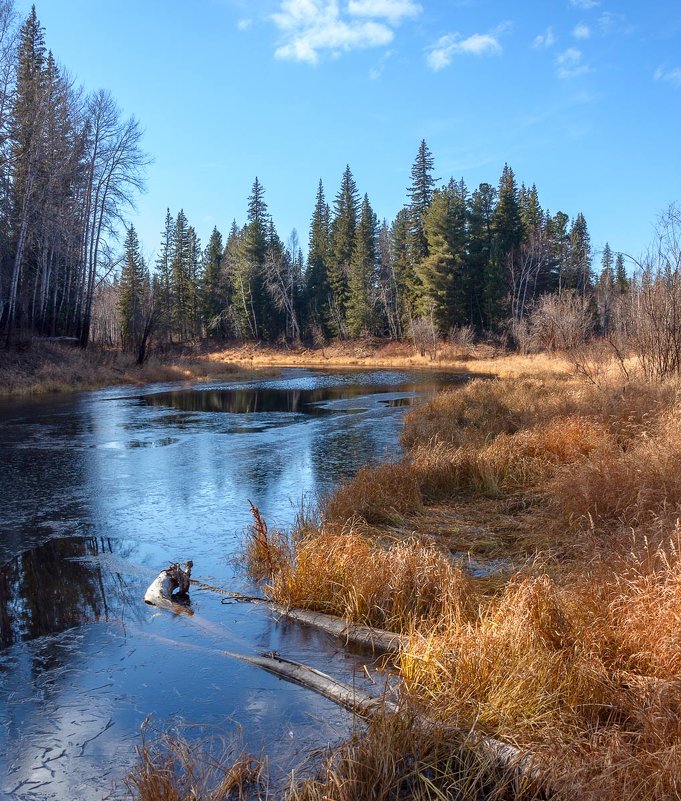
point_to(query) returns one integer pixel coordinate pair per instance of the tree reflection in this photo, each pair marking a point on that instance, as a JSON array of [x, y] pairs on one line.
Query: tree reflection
[[59, 585]]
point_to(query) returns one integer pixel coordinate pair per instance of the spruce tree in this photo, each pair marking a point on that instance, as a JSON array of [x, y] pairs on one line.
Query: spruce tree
[[181, 271], [420, 193], [507, 235], [214, 300], [442, 273], [621, 280], [362, 278], [134, 286], [579, 260], [316, 276], [480, 243], [165, 277], [343, 232]]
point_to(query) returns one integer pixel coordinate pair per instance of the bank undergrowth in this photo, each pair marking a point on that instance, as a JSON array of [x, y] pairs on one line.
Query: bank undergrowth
[[574, 652]]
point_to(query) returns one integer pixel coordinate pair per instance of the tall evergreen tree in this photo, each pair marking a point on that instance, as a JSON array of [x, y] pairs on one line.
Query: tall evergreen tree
[[134, 297], [362, 278], [621, 280], [316, 276], [480, 244], [165, 276], [579, 265], [214, 299], [507, 235], [442, 273], [343, 233], [420, 192]]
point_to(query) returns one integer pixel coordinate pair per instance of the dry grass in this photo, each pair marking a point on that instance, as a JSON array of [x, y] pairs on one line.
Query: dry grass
[[173, 768], [376, 494], [576, 657], [51, 367], [398, 758], [393, 587]]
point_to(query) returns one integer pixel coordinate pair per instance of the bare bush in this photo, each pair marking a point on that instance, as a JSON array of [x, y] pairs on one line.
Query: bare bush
[[561, 322], [653, 306]]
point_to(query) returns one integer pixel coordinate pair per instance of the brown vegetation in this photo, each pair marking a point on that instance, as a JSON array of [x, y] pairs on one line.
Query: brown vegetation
[[574, 651], [49, 367]]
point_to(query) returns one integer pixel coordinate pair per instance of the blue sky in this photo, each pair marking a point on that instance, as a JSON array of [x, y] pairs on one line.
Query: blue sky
[[581, 97]]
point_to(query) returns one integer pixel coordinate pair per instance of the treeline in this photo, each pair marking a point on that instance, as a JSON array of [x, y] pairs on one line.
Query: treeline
[[451, 258], [70, 165]]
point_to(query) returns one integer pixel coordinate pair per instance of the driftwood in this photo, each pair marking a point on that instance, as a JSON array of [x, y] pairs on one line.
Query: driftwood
[[161, 592], [377, 641], [339, 692], [507, 757]]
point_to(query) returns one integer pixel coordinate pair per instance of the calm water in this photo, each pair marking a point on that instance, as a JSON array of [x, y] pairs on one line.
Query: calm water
[[98, 492]]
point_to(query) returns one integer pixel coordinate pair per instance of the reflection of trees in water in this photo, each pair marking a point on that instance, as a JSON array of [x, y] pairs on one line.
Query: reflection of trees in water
[[59, 585], [247, 401]]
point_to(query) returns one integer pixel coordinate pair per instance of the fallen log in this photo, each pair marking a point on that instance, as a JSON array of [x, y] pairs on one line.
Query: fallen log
[[378, 641]]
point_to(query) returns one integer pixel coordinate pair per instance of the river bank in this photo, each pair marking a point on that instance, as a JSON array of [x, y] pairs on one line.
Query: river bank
[[528, 545], [48, 367]]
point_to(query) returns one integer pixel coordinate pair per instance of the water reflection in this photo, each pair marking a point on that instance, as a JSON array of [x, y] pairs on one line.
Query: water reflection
[[99, 492], [253, 400], [58, 585]]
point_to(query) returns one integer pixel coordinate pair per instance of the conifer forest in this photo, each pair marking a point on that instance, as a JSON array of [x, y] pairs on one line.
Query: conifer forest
[[455, 257]]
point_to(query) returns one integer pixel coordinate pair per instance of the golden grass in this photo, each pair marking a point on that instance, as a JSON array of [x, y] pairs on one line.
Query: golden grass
[[376, 494], [52, 367], [392, 587], [173, 768], [576, 656], [398, 758]]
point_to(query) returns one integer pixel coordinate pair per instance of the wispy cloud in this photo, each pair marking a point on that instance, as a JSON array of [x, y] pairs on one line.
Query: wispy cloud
[[311, 27], [392, 10], [442, 52], [569, 63], [584, 3], [244, 24], [377, 70], [546, 39], [672, 76], [581, 31]]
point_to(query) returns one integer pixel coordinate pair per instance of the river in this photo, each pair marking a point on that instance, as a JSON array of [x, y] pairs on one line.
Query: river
[[101, 490]]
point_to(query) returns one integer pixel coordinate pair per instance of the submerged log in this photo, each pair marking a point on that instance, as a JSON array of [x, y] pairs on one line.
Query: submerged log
[[378, 641], [162, 591], [351, 698]]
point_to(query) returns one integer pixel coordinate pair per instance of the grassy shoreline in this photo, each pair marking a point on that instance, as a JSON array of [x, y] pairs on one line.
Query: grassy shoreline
[[53, 367], [570, 646]]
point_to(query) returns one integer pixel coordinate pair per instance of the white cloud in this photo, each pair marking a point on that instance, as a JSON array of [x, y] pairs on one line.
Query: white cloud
[[584, 3], [581, 31], [311, 27], [377, 70], [244, 24], [569, 63], [546, 39], [441, 53], [672, 76], [392, 10]]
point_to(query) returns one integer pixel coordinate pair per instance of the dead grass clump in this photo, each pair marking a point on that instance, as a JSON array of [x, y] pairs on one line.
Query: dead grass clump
[[518, 670], [400, 758], [481, 410], [391, 588], [509, 462], [617, 484], [172, 768], [266, 553], [376, 494]]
